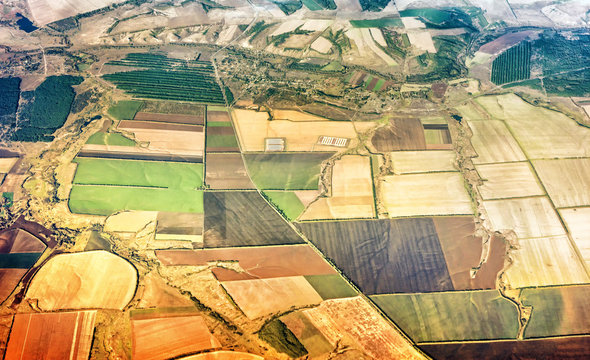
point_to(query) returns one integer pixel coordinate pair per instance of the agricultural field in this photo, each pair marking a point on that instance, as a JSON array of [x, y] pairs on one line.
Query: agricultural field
[[567, 181], [227, 171], [493, 143], [351, 194], [95, 279], [45, 12], [166, 79], [125, 109], [508, 180], [56, 335], [452, 316], [513, 64], [223, 355], [579, 228], [411, 162]]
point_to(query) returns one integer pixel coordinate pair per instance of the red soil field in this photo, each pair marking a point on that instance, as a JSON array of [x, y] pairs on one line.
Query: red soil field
[[401, 134], [257, 262], [66, 335], [221, 116], [5, 324], [170, 118], [134, 124], [224, 355], [220, 130], [170, 337], [505, 41], [565, 348]]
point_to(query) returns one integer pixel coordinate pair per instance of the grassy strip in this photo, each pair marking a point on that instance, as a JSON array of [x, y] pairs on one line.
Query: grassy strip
[[125, 109], [214, 141], [282, 339], [287, 202], [331, 286], [115, 139]]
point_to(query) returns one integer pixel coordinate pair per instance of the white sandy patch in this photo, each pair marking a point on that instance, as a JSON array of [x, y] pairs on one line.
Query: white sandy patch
[[413, 23], [422, 40], [287, 26], [322, 45], [378, 36], [47, 11], [316, 25]]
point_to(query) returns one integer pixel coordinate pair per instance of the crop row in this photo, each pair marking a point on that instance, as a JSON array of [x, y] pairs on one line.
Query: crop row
[[513, 64], [162, 65]]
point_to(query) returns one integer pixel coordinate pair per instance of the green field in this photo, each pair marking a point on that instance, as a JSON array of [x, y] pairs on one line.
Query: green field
[[285, 171], [315, 5], [9, 95], [214, 141], [331, 286], [287, 202], [444, 18], [452, 316], [18, 260], [125, 109], [94, 171], [513, 64], [378, 23], [166, 78], [116, 139], [105, 200]]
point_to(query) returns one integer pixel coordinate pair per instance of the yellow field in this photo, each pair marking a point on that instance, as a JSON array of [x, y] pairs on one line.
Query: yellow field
[[541, 132], [88, 280], [130, 221], [567, 180], [6, 164], [262, 297], [578, 224], [545, 261], [528, 217], [294, 115], [508, 180], [493, 143], [422, 40], [171, 141], [352, 192], [426, 194], [408, 162], [253, 127]]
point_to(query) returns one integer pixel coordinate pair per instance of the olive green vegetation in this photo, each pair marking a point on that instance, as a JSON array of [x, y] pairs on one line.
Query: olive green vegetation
[[377, 23], [575, 83], [105, 200], [286, 171], [277, 335], [95, 171], [532, 83], [513, 64], [447, 63], [452, 316], [446, 18], [315, 5], [125, 110], [286, 202], [218, 123], [214, 141], [116, 139], [331, 286], [18, 260], [97, 242], [8, 199]]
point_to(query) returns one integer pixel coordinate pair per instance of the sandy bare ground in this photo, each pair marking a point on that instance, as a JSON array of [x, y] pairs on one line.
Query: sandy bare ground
[[47, 11], [508, 180], [408, 162], [576, 221]]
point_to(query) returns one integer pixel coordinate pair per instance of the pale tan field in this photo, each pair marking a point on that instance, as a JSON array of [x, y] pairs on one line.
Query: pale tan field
[[468, 110], [508, 180], [493, 143], [408, 162], [578, 224], [422, 40], [413, 23], [295, 115], [47, 11], [6, 164], [179, 237], [322, 45], [426, 194], [354, 319], [378, 36], [587, 109], [88, 280], [153, 292], [253, 127], [567, 180], [545, 261], [316, 24], [130, 221], [366, 47], [307, 196], [287, 26], [352, 192], [542, 133], [171, 141], [528, 217], [262, 297]]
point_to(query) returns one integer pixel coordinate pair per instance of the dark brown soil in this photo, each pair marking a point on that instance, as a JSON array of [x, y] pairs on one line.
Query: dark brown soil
[[402, 134]]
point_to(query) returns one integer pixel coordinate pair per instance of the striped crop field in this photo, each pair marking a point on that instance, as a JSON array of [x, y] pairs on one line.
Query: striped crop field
[[513, 64]]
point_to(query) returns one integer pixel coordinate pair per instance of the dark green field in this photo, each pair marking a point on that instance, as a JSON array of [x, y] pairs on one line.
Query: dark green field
[[513, 64], [331, 286], [9, 95]]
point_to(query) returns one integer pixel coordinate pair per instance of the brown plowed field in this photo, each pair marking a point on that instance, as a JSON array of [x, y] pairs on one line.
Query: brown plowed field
[[220, 130], [66, 335], [180, 223], [19, 241], [170, 337], [5, 324], [462, 251], [355, 318], [9, 279], [566, 348], [223, 355], [401, 134], [221, 116], [134, 124], [227, 171], [257, 262], [170, 118]]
